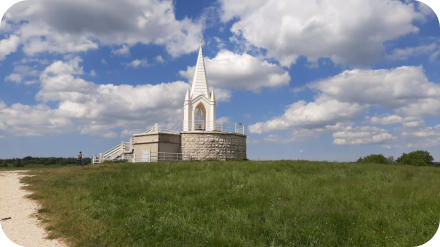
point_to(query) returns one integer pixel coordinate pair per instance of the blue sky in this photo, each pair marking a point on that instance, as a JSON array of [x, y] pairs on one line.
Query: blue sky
[[318, 80]]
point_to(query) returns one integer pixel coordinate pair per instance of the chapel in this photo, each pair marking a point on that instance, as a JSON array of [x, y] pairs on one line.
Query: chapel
[[200, 138]]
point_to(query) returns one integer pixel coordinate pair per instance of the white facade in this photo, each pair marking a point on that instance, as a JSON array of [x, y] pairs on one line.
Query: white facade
[[199, 106]]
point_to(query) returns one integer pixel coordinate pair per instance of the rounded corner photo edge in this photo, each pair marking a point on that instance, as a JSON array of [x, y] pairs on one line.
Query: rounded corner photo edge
[[434, 241]]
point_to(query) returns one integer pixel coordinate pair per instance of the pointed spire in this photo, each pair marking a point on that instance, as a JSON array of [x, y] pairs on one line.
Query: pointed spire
[[212, 95], [200, 81]]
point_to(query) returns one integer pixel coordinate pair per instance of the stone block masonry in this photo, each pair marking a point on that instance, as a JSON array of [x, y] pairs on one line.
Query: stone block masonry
[[203, 145]]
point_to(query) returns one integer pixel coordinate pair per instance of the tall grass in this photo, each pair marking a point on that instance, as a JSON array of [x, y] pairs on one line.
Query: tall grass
[[280, 203]]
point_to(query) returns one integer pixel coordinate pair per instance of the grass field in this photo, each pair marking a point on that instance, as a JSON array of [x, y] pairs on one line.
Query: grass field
[[280, 203]]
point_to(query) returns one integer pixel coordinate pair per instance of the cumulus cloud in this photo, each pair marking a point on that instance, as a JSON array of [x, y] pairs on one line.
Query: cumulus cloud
[[89, 108], [386, 120], [361, 136], [76, 26], [424, 132], [425, 137], [335, 29], [405, 91], [25, 120], [408, 122], [317, 114], [8, 46], [241, 71], [122, 51], [433, 50], [23, 73], [138, 63]]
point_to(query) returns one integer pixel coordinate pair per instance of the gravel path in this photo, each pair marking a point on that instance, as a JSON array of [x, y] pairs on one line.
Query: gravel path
[[23, 227]]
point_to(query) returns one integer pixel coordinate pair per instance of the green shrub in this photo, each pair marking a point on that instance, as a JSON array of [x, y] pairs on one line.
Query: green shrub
[[416, 158], [375, 158], [19, 164]]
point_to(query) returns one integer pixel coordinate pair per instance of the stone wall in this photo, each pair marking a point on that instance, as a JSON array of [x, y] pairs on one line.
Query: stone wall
[[202, 145]]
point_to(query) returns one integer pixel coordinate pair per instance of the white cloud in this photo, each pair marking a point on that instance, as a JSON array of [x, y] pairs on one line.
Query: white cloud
[[403, 54], [17, 78], [222, 120], [412, 123], [124, 50], [89, 108], [8, 46], [423, 137], [138, 63], [386, 120], [408, 122], [424, 132], [22, 72], [361, 136], [241, 71], [222, 95], [82, 25], [317, 114], [404, 89], [336, 29], [160, 59], [25, 120]]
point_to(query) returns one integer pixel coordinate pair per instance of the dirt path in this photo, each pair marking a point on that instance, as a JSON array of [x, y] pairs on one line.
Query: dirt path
[[23, 227]]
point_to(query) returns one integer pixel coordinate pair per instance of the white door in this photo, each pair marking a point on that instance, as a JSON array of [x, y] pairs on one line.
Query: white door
[[145, 156]]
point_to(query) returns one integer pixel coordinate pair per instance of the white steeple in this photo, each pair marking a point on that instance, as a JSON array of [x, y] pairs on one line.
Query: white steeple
[[200, 81], [199, 108]]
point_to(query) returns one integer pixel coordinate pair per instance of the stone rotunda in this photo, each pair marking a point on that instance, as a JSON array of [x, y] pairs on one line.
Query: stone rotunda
[[200, 139]]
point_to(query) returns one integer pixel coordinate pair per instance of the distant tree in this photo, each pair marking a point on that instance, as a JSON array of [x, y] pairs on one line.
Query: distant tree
[[27, 158], [416, 158], [18, 163], [374, 158]]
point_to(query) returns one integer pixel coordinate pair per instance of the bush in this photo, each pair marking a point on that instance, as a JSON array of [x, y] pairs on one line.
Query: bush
[[18, 163], [375, 158], [416, 158]]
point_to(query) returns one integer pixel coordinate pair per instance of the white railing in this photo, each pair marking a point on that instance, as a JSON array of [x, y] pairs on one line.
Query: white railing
[[237, 128], [157, 128], [95, 159], [160, 156], [229, 127], [200, 125], [115, 153]]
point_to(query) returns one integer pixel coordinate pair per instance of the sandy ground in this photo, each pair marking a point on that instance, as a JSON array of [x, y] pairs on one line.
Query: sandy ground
[[23, 228]]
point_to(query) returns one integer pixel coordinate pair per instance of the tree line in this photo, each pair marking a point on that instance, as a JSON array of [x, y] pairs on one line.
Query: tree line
[[41, 161], [416, 158]]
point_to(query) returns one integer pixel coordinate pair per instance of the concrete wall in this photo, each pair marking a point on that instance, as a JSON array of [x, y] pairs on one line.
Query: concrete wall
[[202, 145], [169, 143], [154, 143]]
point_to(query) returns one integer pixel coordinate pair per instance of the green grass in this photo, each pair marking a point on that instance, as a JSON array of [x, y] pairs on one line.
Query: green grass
[[281, 203]]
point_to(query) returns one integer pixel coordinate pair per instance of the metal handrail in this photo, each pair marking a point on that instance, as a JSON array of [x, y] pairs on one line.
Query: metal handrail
[[228, 127]]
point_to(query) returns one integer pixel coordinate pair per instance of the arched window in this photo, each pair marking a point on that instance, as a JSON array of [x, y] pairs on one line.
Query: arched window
[[200, 117]]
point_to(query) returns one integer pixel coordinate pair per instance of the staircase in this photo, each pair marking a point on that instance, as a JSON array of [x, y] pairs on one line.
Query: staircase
[[119, 152]]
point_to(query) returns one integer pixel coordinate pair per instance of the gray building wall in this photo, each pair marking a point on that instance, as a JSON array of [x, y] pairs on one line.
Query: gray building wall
[[155, 143]]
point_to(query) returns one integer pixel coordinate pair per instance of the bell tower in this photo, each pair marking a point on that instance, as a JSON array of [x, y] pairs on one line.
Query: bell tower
[[199, 106]]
